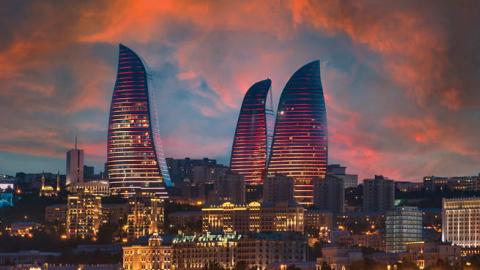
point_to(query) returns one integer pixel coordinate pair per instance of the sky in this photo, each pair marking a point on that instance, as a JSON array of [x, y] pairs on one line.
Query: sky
[[401, 78]]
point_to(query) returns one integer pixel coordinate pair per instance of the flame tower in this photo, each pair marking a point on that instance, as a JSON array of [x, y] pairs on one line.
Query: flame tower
[[300, 140], [253, 134], [135, 161]]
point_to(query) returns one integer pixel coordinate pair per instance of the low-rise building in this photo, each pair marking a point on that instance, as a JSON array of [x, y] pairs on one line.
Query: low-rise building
[[253, 217], [256, 250], [428, 254], [374, 240], [56, 213], [338, 258], [96, 187], [153, 256], [26, 257]]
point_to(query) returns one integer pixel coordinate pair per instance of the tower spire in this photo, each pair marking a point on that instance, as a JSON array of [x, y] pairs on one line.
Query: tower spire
[[58, 180], [43, 179], [75, 142]]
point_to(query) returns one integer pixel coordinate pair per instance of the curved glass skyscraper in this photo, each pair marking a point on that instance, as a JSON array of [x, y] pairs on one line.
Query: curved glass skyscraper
[[135, 161], [253, 134], [300, 140]]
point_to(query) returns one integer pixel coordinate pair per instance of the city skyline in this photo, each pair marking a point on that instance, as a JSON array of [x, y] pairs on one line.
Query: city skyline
[[394, 91]]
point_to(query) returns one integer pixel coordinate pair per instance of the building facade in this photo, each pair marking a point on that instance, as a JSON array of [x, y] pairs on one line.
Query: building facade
[[230, 188], [84, 216], [135, 161], [253, 217], [329, 194], [461, 221], [300, 140], [253, 134], [278, 189], [378, 194], [97, 187], [145, 217], [74, 165], [350, 180], [154, 256], [402, 225]]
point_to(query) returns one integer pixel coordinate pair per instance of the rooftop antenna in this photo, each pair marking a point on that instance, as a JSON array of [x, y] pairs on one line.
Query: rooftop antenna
[[75, 142]]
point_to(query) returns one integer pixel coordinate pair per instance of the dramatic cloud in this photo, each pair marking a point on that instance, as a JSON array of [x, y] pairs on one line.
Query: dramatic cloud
[[401, 78]]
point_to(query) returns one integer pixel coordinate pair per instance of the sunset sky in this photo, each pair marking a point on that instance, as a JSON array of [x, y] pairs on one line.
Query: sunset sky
[[401, 78]]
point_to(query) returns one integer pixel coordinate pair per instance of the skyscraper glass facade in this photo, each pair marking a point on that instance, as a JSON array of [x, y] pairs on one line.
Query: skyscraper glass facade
[[252, 139], [300, 140], [134, 159]]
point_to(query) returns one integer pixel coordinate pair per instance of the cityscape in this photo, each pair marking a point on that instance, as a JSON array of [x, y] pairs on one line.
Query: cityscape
[[239, 135]]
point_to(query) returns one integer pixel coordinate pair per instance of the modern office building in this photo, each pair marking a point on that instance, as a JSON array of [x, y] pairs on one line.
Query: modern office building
[[300, 140], [253, 134], [329, 194], [349, 180], [402, 225], [461, 221], [88, 172], [84, 216], [74, 165], [378, 194], [135, 161]]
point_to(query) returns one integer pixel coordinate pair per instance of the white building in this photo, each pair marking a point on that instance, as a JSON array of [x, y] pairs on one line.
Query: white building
[[461, 221]]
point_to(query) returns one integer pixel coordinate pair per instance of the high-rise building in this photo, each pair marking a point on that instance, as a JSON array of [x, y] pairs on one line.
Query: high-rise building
[[145, 217], [349, 180], [74, 165], [88, 172], [378, 194], [181, 169], [231, 188], [460, 221], [84, 215], [278, 189], [300, 140], [402, 225], [330, 194], [253, 134], [135, 160]]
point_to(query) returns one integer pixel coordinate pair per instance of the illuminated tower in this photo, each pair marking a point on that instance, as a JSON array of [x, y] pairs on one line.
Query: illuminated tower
[[300, 139], [252, 139], [135, 161]]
